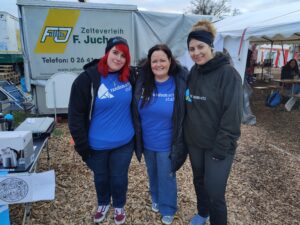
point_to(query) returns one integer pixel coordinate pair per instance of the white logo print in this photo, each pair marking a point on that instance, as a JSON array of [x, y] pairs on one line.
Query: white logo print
[[59, 34], [103, 92]]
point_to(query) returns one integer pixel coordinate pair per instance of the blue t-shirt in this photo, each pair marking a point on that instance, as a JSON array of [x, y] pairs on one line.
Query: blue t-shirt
[[111, 125], [156, 117]]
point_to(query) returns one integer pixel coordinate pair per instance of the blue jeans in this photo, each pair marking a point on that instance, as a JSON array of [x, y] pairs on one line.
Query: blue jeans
[[162, 181], [110, 168], [296, 89]]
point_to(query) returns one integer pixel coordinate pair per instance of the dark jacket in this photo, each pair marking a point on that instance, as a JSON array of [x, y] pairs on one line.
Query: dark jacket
[[178, 152], [214, 110], [288, 72], [83, 94]]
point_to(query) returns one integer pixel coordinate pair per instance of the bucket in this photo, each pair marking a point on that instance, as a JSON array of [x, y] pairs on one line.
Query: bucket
[[23, 85]]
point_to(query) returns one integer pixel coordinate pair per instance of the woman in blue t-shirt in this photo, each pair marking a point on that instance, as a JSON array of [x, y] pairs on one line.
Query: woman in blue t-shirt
[[159, 100], [100, 123]]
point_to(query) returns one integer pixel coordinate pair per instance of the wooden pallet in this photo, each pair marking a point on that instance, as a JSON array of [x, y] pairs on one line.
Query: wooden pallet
[[15, 80], [7, 73], [6, 68]]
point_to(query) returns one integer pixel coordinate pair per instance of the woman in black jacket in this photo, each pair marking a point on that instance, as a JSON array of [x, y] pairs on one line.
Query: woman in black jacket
[[291, 71], [100, 122], [212, 123], [159, 111]]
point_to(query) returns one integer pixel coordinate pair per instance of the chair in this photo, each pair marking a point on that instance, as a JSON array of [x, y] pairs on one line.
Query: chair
[[14, 97]]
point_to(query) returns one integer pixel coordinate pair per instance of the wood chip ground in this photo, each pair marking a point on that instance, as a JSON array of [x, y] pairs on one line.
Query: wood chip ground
[[263, 188]]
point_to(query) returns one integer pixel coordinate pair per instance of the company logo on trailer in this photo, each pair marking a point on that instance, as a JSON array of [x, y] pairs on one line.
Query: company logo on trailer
[[59, 34], [56, 31]]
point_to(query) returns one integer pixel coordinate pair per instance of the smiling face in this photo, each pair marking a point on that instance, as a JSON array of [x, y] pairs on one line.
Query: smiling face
[[115, 60], [200, 52], [160, 65]]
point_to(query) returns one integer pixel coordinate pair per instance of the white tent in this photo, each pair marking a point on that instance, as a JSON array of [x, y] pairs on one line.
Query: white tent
[[272, 25], [63, 36]]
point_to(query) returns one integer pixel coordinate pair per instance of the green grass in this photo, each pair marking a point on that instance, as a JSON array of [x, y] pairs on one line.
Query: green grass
[[57, 132], [19, 117]]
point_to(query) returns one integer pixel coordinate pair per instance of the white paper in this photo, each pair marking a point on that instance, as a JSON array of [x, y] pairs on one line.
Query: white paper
[[290, 103], [27, 187]]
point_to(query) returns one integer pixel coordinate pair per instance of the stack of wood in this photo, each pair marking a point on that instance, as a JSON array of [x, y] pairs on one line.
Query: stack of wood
[[7, 72]]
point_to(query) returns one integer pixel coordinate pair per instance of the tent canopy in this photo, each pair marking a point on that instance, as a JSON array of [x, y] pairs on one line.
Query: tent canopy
[[272, 25], [280, 23]]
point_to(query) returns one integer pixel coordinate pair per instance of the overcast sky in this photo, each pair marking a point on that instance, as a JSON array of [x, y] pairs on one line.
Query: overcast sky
[[165, 5]]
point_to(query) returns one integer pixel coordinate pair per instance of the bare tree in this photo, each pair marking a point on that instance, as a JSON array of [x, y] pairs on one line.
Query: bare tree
[[236, 12], [211, 7]]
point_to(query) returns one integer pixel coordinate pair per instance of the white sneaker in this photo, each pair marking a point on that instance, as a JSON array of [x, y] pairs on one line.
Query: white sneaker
[[119, 216], [101, 213], [154, 207], [167, 219]]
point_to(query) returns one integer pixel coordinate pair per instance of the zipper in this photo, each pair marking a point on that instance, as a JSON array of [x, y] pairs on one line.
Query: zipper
[[92, 101]]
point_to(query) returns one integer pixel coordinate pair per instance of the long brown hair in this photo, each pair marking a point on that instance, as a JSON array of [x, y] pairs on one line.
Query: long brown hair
[[149, 80]]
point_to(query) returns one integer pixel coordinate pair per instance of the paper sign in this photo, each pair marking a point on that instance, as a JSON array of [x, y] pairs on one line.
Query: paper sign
[[27, 187]]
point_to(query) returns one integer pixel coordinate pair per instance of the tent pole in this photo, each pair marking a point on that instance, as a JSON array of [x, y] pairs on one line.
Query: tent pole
[[294, 50], [270, 55], [283, 53], [270, 60], [54, 101]]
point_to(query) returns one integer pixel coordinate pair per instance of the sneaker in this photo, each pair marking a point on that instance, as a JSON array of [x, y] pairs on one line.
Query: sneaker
[[119, 216], [167, 219], [101, 213], [154, 207], [198, 220]]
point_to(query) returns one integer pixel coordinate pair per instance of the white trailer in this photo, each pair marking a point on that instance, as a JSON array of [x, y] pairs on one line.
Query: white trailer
[[10, 45], [60, 37]]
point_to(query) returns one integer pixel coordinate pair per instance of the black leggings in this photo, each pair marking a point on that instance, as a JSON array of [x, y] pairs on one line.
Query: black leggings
[[210, 180]]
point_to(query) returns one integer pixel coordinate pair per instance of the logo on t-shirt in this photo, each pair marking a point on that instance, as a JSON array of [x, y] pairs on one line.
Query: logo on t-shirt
[[103, 92], [188, 96]]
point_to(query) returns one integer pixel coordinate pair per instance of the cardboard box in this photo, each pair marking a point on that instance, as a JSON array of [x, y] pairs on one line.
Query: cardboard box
[[16, 144]]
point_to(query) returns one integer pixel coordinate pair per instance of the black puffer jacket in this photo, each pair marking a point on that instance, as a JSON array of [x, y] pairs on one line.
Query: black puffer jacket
[[178, 151], [83, 94], [214, 110]]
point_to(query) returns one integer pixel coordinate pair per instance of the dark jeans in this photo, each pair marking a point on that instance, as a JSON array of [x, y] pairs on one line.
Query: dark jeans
[[110, 169], [210, 180]]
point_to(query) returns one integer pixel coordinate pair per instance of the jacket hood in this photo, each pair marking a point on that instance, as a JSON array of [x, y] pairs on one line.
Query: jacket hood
[[217, 61], [90, 64]]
